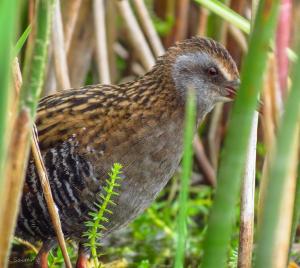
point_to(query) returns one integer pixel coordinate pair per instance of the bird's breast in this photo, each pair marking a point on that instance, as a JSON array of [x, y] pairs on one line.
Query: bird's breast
[[150, 156]]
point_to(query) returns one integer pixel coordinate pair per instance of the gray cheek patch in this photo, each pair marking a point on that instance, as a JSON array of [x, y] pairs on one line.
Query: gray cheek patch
[[187, 71]]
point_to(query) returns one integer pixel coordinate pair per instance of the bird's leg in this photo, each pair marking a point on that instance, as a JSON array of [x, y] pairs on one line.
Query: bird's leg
[[41, 259], [83, 257]]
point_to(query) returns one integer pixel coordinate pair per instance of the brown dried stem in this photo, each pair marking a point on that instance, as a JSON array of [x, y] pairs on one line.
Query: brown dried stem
[[182, 11], [137, 69], [15, 171], [238, 37], [59, 51], [82, 45], [284, 227], [269, 118], [39, 163], [148, 27], [101, 42], [214, 138], [70, 11], [135, 34], [247, 201], [111, 27], [203, 162], [49, 199], [202, 22]]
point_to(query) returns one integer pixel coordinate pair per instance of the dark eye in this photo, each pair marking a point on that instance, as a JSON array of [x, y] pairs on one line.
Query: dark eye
[[212, 71]]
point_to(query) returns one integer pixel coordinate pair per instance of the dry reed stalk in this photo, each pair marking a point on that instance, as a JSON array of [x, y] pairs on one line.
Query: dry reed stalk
[[208, 171], [17, 82], [284, 226], [111, 26], [101, 42], [238, 37], [181, 20], [248, 202], [148, 27], [137, 69], [202, 22], [135, 34], [49, 198], [26, 244], [70, 11], [59, 51], [269, 120], [82, 45], [15, 171], [31, 16], [233, 38], [50, 79], [42, 172], [214, 138], [12, 194]]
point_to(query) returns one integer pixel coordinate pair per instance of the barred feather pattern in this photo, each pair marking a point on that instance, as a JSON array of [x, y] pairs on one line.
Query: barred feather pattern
[[71, 178]]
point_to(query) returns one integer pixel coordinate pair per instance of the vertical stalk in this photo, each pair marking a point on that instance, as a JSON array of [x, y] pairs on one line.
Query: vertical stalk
[[280, 174], [7, 25], [190, 117], [135, 34], [236, 143], [247, 201], [101, 41], [52, 209], [19, 143], [59, 50], [248, 189], [148, 27]]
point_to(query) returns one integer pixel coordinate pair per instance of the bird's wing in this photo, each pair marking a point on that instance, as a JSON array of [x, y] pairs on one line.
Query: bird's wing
[[81, 113]]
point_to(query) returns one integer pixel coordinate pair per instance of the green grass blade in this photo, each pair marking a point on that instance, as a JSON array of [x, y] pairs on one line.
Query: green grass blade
[[35, 65], [236, 143], [190, 117], [7, 26], [21, 41], [279, 170], [215, 25], [226, 13]]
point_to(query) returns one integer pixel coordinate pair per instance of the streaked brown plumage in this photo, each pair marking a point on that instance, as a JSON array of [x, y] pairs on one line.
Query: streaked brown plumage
[[138, 124]]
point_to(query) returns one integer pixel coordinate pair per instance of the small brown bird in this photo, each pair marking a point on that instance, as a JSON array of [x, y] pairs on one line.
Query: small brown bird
[[83, 132]]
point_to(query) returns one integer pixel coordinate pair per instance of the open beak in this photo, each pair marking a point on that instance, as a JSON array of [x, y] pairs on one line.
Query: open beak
[[231, 88]]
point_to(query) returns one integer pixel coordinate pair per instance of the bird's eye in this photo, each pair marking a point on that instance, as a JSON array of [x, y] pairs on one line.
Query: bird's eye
[[212, 71]]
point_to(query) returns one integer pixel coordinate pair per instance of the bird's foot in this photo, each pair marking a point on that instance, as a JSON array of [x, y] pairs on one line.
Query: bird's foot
[[82, 260], [41, 259], [83, 257]]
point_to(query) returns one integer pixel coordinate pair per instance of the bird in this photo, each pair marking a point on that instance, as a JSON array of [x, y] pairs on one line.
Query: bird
[[139, 124]]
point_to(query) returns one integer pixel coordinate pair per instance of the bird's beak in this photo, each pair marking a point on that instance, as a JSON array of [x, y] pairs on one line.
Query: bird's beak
[[231, 88]]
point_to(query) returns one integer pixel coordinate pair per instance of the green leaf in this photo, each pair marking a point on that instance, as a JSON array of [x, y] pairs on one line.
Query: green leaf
[[21, 41], [227, 14], [190, 119], [236, 143], [279, 172]]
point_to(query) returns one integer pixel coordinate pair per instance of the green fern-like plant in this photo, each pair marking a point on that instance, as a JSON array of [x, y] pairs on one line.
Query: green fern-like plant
[[95, 225]]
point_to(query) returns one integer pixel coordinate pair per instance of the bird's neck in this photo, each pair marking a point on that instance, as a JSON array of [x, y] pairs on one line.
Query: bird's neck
[[155, 91]]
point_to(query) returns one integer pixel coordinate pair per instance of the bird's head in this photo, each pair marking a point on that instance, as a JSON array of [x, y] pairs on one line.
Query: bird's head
[[205, 66]]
